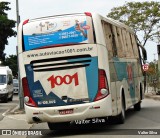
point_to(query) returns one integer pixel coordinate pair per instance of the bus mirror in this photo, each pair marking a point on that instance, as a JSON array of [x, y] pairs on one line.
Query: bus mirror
[[144, 54]]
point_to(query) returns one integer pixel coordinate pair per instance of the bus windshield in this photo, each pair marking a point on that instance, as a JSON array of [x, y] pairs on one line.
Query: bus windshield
[[57, 31]]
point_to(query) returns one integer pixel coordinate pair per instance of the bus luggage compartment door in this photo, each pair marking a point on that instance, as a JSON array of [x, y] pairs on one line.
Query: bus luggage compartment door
[[59, 82]]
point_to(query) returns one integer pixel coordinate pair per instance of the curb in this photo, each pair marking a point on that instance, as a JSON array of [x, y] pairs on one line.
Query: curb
[[152, 96], [17, 110], [14, 111]]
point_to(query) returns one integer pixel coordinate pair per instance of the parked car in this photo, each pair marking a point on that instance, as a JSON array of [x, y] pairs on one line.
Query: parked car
[[15, 85]]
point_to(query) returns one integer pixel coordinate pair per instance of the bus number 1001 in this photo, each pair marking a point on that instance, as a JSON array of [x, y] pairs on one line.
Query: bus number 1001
[[67, 79]]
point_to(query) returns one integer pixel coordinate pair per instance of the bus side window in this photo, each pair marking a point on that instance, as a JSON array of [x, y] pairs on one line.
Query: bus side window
[[129, 46], [134, 46], [125, 46], [120, 46], [110, 39], [114, 36]]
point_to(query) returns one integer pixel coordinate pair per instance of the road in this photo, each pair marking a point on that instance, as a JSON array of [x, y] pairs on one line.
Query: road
[[4, 107], [147, 118]]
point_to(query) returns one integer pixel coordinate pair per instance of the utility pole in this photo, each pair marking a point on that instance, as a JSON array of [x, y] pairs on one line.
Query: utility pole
[[154, 56], [158, 51], [21, 99], [17, 13]]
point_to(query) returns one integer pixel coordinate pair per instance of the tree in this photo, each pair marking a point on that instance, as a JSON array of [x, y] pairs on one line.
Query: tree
[[142, 17], [153, 76], [11, 61], [6, 30], [152, 70]]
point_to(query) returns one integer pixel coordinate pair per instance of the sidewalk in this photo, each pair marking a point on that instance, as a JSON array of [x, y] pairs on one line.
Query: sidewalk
[[151, 94], [14, 119], [13, 124]]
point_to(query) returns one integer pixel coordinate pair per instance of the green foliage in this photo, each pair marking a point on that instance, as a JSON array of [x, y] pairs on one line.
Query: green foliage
[[152, 75], [6, 30], [142, 17], [11, 61], [153, 69]]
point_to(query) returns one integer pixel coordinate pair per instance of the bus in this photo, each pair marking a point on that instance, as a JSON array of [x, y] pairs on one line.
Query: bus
[[77, 67]]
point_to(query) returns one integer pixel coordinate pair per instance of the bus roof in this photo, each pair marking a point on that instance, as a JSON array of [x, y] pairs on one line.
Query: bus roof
[[107, 19], [117, 23]]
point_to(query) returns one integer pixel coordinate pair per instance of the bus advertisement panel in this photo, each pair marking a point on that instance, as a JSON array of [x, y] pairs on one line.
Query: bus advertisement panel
[[55, 31]]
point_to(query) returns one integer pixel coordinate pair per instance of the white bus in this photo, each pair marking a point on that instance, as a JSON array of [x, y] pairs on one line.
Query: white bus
[[77, 67]]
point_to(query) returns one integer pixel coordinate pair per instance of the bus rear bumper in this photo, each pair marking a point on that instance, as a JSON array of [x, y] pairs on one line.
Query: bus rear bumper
[[101, 108]]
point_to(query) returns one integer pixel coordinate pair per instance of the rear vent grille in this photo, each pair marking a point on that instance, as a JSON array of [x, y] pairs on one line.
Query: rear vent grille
[[61, 63]]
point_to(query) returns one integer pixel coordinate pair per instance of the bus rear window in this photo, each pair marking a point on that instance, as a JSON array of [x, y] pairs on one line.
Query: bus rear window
[[57, 31]]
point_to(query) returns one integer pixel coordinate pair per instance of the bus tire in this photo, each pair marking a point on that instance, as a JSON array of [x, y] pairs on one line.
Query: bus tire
[[121, 116], [58, 126], [137, 106]]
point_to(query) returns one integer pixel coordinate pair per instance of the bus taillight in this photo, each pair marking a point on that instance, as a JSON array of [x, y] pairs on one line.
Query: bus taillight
[[103, 89], [27, 97]]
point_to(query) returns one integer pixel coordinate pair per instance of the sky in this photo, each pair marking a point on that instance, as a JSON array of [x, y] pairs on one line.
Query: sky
[[29, 9]]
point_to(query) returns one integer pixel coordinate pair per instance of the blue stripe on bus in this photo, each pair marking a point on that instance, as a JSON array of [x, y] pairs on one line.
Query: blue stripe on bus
[[121, 71], [92, 78]]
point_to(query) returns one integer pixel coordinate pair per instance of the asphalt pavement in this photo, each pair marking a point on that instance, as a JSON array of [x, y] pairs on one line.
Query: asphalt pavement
[[15, 118]]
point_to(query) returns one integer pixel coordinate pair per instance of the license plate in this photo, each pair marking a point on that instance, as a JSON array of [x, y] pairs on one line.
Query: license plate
[[66, 111]]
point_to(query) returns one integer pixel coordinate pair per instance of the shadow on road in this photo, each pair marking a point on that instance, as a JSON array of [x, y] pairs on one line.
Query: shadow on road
[[91, 129], [147, 118]]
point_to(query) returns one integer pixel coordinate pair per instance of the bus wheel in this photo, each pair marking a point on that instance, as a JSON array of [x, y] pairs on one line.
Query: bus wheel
[[137, 106], [121, 116], [58, 126]]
